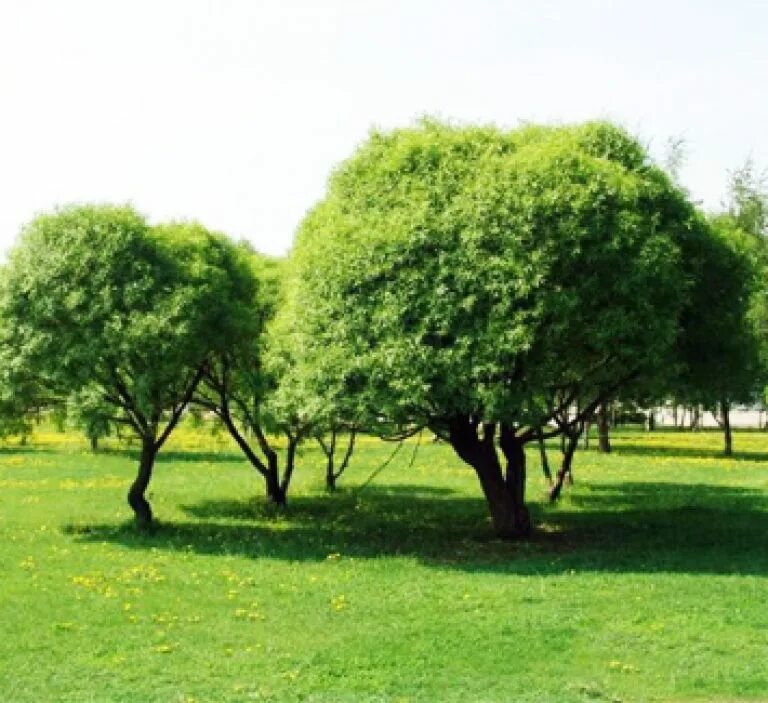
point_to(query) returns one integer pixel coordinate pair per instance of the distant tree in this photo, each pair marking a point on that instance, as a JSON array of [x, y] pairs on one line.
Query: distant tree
[[719, 362], [479, 282], [104, 305], [747, 200]]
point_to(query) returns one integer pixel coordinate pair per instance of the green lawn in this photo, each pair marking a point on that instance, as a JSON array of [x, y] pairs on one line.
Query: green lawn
[[649, 582]]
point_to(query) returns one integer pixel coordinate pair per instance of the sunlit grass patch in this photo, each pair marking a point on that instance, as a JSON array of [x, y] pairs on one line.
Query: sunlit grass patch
[[647, 582]]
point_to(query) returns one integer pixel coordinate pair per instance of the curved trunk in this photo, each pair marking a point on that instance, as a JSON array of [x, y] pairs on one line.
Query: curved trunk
[[565, 468], [136, 497]]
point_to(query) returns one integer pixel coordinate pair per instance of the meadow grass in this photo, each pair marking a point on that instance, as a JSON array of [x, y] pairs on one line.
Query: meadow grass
[[648, 582]]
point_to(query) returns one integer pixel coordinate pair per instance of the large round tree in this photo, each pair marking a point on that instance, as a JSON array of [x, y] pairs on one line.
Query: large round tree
[[96, 302], [478, 282]]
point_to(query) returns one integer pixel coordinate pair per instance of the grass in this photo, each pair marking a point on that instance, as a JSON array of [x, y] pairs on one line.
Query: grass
[[649, 582]]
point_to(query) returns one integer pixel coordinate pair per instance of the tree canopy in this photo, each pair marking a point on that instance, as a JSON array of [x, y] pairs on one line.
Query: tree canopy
[[104, 305], [471, 280]]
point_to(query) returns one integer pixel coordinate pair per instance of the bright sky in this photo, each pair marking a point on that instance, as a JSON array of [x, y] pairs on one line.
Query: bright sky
[[233, 112]]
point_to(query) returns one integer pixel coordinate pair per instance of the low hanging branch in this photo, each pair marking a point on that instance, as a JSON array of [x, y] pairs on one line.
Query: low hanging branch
[[381, 468]]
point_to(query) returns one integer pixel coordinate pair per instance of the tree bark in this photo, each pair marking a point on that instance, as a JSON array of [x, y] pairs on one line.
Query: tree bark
[[94, 444], [565, 467], [509, 516], [290, 461], [330, 465], [725, 409], [604, 442], [136, 497], [544, 461], [514, 452]]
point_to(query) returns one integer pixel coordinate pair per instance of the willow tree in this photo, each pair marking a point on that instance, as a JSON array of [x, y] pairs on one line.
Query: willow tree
[[104, 305], [718, 350], [479, 282]]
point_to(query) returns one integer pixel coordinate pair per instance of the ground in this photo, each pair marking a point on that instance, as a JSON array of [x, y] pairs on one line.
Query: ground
[[649, 582]]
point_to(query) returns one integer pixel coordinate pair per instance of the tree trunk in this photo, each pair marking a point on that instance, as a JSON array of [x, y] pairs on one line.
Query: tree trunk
[[695, 417], [270, 472], [544, 461], [505, 498], [290, 460], [604, 442], [330, 467], [565, 468], [94, 444], [275, 492], [514, 452], [587, 426], [136, 497], [725, 409], [651, 424]]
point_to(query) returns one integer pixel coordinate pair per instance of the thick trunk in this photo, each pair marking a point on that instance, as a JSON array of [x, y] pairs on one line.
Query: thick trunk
[[504, 497], [651, 422], [725, 409], [604, 442], [514, 452], [136, 497], [275, 492], [94, 444]]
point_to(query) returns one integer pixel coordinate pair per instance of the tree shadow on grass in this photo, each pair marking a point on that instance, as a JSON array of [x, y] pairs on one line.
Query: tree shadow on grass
[[175, 456], [664, 450], [632, 527]]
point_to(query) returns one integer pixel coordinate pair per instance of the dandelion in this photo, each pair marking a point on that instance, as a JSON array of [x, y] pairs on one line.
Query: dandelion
[[338, 603]]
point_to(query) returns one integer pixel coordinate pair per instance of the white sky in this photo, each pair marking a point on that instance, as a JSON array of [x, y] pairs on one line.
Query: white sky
[[233, 112]]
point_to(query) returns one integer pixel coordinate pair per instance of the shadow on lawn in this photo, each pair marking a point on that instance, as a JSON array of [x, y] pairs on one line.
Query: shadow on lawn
[[175, 456], [691, 452], [631, 527]]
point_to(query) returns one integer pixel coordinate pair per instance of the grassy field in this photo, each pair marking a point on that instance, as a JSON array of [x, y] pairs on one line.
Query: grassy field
[[649, 582]]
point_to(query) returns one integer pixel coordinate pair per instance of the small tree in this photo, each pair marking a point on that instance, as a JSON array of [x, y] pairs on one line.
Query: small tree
[[242, 382], [104, 305]]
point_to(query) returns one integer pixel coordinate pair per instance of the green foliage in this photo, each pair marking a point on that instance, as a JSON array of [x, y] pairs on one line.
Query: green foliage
[[718, 347], [105, 305], [748, 199], [473, 271]]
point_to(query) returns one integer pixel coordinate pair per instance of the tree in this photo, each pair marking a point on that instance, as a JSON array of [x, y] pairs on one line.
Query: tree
[[747, 201], [106, 306], [242, 382], [479, 282], [718, 349]]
